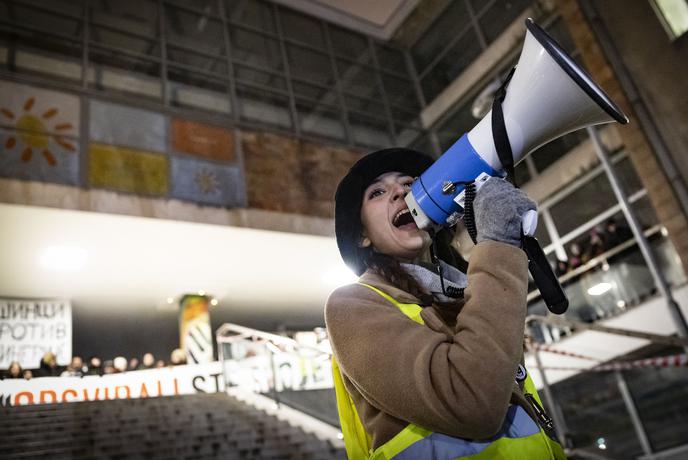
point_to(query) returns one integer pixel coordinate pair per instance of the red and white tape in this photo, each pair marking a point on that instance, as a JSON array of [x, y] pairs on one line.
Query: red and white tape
[[661, 361], [545, 348]]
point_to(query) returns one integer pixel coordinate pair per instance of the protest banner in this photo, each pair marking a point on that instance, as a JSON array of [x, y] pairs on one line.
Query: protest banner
[[167, 381], [30, 328], [292, 371]]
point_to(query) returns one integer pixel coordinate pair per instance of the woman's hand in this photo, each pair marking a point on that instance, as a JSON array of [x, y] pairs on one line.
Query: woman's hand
[[498, 209]]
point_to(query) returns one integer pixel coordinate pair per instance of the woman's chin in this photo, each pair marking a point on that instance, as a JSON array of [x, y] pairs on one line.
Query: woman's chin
[[414, 240]]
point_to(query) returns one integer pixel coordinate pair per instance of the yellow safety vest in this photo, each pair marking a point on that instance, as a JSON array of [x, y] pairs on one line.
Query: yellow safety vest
[[519, 438]]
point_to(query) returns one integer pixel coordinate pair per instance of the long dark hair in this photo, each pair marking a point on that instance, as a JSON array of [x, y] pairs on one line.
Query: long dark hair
[[390, 269]]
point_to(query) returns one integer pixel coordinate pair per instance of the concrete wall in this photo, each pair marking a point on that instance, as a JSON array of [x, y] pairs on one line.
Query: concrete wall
[[644, 159], [289, 175], [273, 181], [658, 67]]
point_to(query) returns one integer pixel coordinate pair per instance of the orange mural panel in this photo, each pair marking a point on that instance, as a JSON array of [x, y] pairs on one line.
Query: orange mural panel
[[202, 140]]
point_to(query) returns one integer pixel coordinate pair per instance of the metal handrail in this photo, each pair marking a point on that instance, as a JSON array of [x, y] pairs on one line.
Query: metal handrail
[[243, 332], [598, 260], [560, 321]]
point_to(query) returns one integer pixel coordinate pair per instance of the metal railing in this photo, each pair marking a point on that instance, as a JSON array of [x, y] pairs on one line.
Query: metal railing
[[610, 284], [286, 370]]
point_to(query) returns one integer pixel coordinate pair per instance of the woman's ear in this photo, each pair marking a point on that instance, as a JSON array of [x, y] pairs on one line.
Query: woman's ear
[[365, 242]]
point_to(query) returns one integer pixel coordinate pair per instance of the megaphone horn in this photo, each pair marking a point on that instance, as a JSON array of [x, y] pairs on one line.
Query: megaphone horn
[[548, 96]]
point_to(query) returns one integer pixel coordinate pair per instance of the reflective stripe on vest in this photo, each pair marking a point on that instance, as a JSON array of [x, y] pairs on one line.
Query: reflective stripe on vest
[[519, 438]]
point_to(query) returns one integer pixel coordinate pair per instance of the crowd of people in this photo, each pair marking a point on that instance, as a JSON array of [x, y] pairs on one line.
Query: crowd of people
[[95, 366], [596, 243]]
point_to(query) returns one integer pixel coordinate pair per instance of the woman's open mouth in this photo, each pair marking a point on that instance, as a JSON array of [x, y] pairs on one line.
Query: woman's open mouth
[[404, 220]]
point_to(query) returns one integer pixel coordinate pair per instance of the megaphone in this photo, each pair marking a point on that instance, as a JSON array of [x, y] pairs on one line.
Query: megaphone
[[548, 96]]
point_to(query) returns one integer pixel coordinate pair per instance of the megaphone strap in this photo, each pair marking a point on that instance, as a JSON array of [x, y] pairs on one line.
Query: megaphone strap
[[539, 267], [499, 134]]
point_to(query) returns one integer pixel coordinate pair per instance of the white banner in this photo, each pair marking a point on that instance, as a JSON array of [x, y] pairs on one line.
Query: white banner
[[167, 381], [307, 371], [30, 328]]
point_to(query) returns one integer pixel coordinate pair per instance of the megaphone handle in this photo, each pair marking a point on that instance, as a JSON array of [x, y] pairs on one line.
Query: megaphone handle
[[539, 267]]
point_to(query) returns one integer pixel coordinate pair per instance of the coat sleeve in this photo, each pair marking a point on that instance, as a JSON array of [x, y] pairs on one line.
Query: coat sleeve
[[456, 384]]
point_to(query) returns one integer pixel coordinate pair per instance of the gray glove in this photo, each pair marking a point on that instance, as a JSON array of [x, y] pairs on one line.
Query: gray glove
[[498, 208]]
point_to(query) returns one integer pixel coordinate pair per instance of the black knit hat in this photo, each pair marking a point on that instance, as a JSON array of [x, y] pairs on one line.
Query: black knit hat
[[349, 196]]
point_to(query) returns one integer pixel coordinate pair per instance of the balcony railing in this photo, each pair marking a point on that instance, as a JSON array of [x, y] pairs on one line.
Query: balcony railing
[[610, 284], [288, 371]]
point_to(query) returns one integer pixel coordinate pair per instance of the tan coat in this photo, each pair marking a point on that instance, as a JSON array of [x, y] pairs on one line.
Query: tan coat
[[455, 375]]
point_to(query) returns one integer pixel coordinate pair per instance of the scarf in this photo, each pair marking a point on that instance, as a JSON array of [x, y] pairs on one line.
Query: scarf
[[429, 279]]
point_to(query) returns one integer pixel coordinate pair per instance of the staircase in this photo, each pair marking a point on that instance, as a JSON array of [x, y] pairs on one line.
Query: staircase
[[201, 426]]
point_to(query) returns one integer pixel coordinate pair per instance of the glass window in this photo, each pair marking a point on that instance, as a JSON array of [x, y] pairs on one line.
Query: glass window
[[42, 42], [128, 26], [206, 7], [255, 13], [449, 23], [193, 30], [560, 33], [586, 202], [400, 92], [189, 89], [369, 132], [645, 213], [315, 92], [478, 6], [358, 80], [433, 84], [107, 37], [124, 44], [349, 44], [458, 123], [138, 17], [211, 64], [450, 66], [613, 231], [499, 16], [320, 120], [197, 67], [258, 105], [110, 69], [522, 173], [254, 76], [423, 143], [366, 106], [552, 151], [406, 135], [310, 65], [541, 232], [405, 117], [256, 49], [391, 59], [302, 28], [70, 7], [44, 20], [625, 172]]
